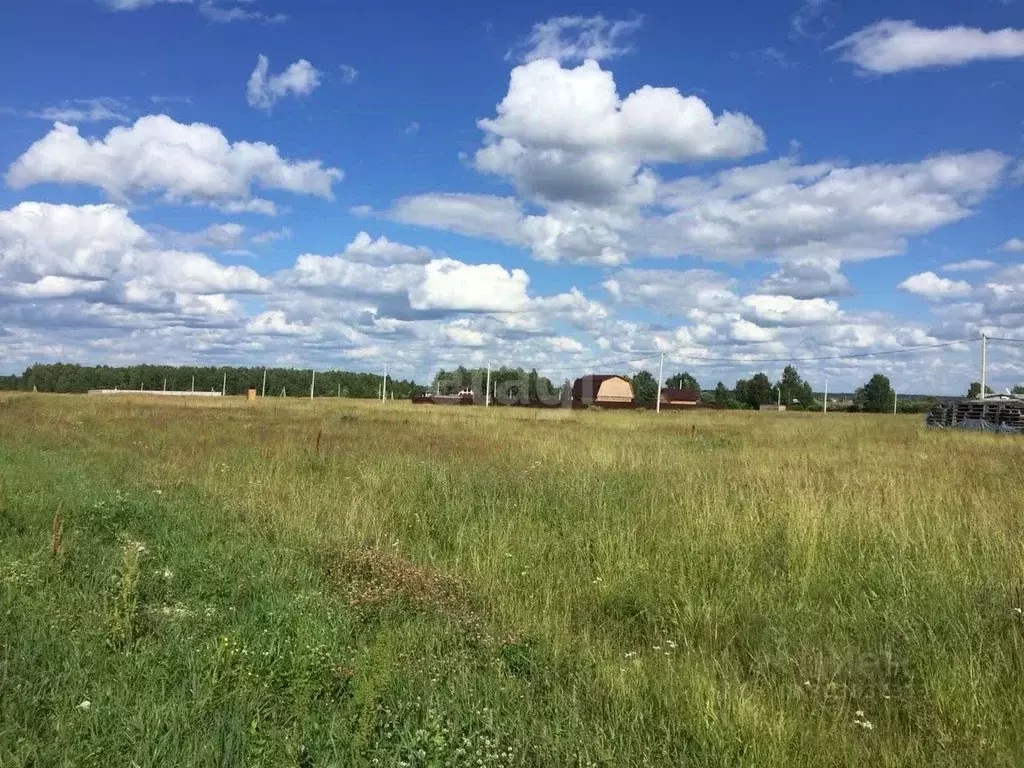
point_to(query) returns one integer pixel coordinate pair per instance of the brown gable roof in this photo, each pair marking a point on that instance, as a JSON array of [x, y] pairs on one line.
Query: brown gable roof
[[585, 388]]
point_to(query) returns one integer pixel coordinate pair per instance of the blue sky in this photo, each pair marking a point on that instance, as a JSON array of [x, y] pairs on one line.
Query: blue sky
[[311, 184]]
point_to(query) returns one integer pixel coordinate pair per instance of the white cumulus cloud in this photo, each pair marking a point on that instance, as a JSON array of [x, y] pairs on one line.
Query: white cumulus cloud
[[767, 310], [451, 285], [819, 211], [97, 253], [461, 335], [565, 134], [565, 344], [930, 286], [672, 291], [383, 251], [185, 162], [895, 46], [401, 281], [265, 90]]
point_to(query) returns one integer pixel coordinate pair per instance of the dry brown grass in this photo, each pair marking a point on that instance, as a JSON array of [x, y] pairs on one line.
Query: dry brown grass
[[371, 578]]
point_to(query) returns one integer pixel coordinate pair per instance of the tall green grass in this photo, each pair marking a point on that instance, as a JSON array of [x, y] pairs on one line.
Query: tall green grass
[[352, 584]]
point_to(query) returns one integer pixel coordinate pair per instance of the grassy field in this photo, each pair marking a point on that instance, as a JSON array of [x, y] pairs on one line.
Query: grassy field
[[345, 584]]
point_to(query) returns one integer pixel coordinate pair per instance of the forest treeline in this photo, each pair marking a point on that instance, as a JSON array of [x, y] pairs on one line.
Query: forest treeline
[[71, 378]]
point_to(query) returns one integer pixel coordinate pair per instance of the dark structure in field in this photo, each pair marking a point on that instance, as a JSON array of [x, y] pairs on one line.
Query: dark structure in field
[[679, 397], [993, 414]]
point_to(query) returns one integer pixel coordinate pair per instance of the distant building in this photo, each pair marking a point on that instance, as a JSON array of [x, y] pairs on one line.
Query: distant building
[[671, 396], [606, 389], [772, 407]]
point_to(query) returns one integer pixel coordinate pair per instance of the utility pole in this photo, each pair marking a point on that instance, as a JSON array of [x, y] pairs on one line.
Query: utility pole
[[984, 362], [895, 398], [825, 410], [264, 394], [487, 397], [224, 386], [165, 385], [193, 382], [339, 389], [384, 386], [312, 383], [661, 375]]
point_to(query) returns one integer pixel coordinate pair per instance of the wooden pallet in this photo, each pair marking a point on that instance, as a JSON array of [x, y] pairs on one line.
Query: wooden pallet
[[998, 412]]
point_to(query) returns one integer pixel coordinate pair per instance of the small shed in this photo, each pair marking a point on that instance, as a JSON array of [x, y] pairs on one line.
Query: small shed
[[671, 396], [602, 389]]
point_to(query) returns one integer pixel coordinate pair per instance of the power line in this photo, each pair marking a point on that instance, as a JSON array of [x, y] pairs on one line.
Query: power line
[[1009, 341]]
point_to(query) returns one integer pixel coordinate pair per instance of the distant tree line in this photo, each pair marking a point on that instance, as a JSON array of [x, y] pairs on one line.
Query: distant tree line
[[508, 385], [759, 390], [876, 396], [70, 378]]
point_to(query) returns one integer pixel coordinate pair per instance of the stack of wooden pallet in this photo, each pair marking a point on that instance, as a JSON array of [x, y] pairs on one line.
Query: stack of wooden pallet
[[1000, 412]]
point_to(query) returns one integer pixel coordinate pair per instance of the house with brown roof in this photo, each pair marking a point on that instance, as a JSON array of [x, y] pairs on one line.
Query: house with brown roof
[[602, 389], [680, 397]]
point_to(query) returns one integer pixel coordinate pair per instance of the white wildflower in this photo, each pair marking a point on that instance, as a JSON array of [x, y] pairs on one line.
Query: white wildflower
[[85, 706], [137, 547], [862, 721]]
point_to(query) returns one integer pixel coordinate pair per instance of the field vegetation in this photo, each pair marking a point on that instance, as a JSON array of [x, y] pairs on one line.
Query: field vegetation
[[338, 583]]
